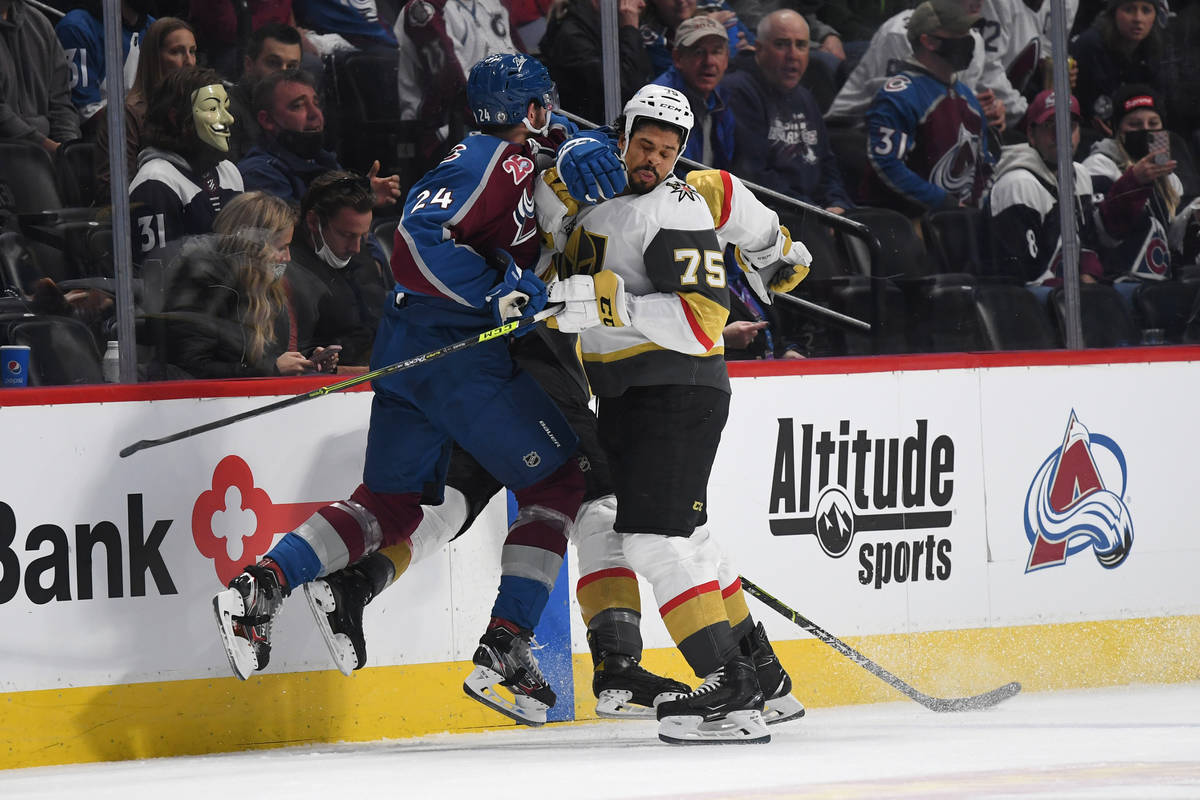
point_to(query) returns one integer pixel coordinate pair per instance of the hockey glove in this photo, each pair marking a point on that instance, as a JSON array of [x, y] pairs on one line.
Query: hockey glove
[[590, 300], [520, 294], [591, 169], [777, 268]]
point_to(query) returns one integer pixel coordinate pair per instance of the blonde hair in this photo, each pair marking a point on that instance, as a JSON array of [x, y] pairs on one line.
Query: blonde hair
[[246, 227]]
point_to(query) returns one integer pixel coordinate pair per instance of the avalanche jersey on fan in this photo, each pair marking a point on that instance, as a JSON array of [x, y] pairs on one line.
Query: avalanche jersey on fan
[[925, 141], [82, 36], [477, 201], [663, 245]]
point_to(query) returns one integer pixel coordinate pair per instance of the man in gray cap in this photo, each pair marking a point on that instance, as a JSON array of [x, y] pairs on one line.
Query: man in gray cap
[[926, 130], [699, 60]]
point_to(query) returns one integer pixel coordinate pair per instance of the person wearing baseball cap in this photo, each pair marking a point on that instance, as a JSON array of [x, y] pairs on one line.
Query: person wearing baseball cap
[[926, 130], [699, 60], [1136, 161]]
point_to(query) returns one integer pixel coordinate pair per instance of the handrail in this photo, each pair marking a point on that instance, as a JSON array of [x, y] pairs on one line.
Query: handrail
[[836, 221]]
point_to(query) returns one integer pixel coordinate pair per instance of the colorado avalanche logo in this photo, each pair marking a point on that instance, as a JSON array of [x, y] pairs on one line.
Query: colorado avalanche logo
[[955, 170], [524, 218], [1069, 507]]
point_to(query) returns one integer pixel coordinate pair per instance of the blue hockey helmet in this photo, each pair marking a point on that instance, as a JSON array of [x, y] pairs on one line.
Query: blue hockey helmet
[[501, 86]]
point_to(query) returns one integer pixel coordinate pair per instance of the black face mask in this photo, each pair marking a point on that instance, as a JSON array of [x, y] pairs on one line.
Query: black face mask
[[1136, 143], [957, 52], [306, 144]]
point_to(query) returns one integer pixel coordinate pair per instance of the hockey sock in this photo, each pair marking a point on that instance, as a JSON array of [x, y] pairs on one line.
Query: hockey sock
[[737, 610], [294, 561], [608, 595]]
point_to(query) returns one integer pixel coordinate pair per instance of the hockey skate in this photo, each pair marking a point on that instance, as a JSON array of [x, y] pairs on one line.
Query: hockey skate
[[244, 613], [504, 658], [726, 709], [337, 602], [625, 689], [772, 678]]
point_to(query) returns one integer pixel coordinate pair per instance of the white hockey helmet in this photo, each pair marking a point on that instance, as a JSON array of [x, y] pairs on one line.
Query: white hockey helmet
[[661, 103]]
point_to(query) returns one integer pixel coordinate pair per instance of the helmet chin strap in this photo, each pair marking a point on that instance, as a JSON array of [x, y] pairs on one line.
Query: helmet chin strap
[[542, 131]]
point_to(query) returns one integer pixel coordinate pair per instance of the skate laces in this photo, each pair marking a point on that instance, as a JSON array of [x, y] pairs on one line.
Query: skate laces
[[525, 654], [712, 682]]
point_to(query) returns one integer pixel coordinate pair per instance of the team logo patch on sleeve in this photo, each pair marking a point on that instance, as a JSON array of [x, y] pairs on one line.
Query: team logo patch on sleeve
[[420, 12], [682, 191], [897, 83], [519, 167]]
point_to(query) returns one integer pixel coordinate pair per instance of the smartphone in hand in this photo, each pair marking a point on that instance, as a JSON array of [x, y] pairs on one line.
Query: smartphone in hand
[[1160, 145], [325, 357]]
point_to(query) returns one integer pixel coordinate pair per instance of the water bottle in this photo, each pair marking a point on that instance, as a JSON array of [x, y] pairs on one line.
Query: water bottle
[[110, 365]]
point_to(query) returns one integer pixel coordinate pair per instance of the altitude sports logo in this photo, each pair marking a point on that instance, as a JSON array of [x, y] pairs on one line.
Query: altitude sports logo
[[1076, 502], [234, 522], [834, 486]]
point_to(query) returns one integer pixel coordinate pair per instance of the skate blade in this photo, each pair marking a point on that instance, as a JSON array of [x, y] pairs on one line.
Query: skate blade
[[242, 660], [784, 708], [617, 704], [736, 727], [481, 685], [321, 604]]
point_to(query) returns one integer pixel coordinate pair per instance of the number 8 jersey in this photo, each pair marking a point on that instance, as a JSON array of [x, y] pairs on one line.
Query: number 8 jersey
[[663, 245]]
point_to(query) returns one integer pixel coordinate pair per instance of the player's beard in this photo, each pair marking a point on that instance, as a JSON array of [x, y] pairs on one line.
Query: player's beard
[[638, 185]]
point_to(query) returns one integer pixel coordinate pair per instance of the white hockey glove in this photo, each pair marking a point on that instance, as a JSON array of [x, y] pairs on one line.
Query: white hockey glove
[[777, 268], [589, 300]]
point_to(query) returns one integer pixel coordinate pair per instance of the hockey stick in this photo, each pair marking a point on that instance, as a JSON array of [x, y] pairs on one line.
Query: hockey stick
[[508, 327], [939, 704]]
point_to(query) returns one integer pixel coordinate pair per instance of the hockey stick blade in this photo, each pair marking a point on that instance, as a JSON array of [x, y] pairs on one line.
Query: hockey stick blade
[[938, 704], [463, 344]]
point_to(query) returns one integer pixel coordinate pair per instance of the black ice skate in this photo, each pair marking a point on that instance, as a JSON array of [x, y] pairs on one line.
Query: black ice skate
[[726, 709], [772, 678], [337, 602], [504, 658], [244, 612], [625, 689]]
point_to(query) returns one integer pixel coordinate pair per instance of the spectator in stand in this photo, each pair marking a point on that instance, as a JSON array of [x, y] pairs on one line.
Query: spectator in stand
[[1017, 34], [332, 25], [169, 45], [529, 18], [753, 329], [571, 51], [439, 43], [700, 57], [273, 48], [1002, 104], [781, 139], [662, 17], [1123, 46], [183, 177], [1160, 225], [1023, 205], [1181, 74], [35, 79], [216, 26], [340, 286], [292, 154], [227, 313], [81, 33], [925, 130]]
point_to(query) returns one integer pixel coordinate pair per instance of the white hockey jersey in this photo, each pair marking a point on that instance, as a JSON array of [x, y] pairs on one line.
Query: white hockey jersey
[[664, 247]]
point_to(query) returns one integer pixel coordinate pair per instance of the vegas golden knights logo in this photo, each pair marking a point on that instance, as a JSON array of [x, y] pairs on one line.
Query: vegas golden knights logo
[[583, 255]]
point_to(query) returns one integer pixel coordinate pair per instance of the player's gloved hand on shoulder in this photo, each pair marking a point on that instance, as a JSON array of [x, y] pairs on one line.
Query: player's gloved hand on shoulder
[[520, 294], [590, 300], [591, 169]]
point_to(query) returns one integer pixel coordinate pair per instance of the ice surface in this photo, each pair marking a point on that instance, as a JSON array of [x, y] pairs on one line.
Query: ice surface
[[1125, 742]]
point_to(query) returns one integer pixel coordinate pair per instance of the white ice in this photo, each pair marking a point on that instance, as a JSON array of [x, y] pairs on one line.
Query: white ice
[[1127, 742]]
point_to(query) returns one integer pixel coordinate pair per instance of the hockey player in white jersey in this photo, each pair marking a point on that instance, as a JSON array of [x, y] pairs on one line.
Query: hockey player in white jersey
[[643, 279]]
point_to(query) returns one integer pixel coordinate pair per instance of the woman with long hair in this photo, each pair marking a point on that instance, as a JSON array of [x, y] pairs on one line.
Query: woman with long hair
[[1140, 148], [170, 44], [227, 314]]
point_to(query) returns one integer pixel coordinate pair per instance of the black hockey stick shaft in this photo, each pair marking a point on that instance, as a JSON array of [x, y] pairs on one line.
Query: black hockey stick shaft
[[939, 704], [506, 328]]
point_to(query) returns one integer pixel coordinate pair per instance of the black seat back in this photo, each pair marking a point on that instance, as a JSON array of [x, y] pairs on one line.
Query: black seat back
[[1013, 318], [62, 350], [952, 237], [1105, 321], [75, 166], [28, 183], [902, 253], [18, 266]]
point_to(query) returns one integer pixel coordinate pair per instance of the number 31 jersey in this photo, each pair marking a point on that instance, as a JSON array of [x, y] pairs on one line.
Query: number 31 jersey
[[664, 247]]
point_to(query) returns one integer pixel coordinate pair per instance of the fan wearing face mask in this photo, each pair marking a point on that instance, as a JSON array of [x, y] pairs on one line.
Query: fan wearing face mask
[[1139, 151], [292, 152], [226, 312], [184, 177], [337, 287], [926, 140]]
